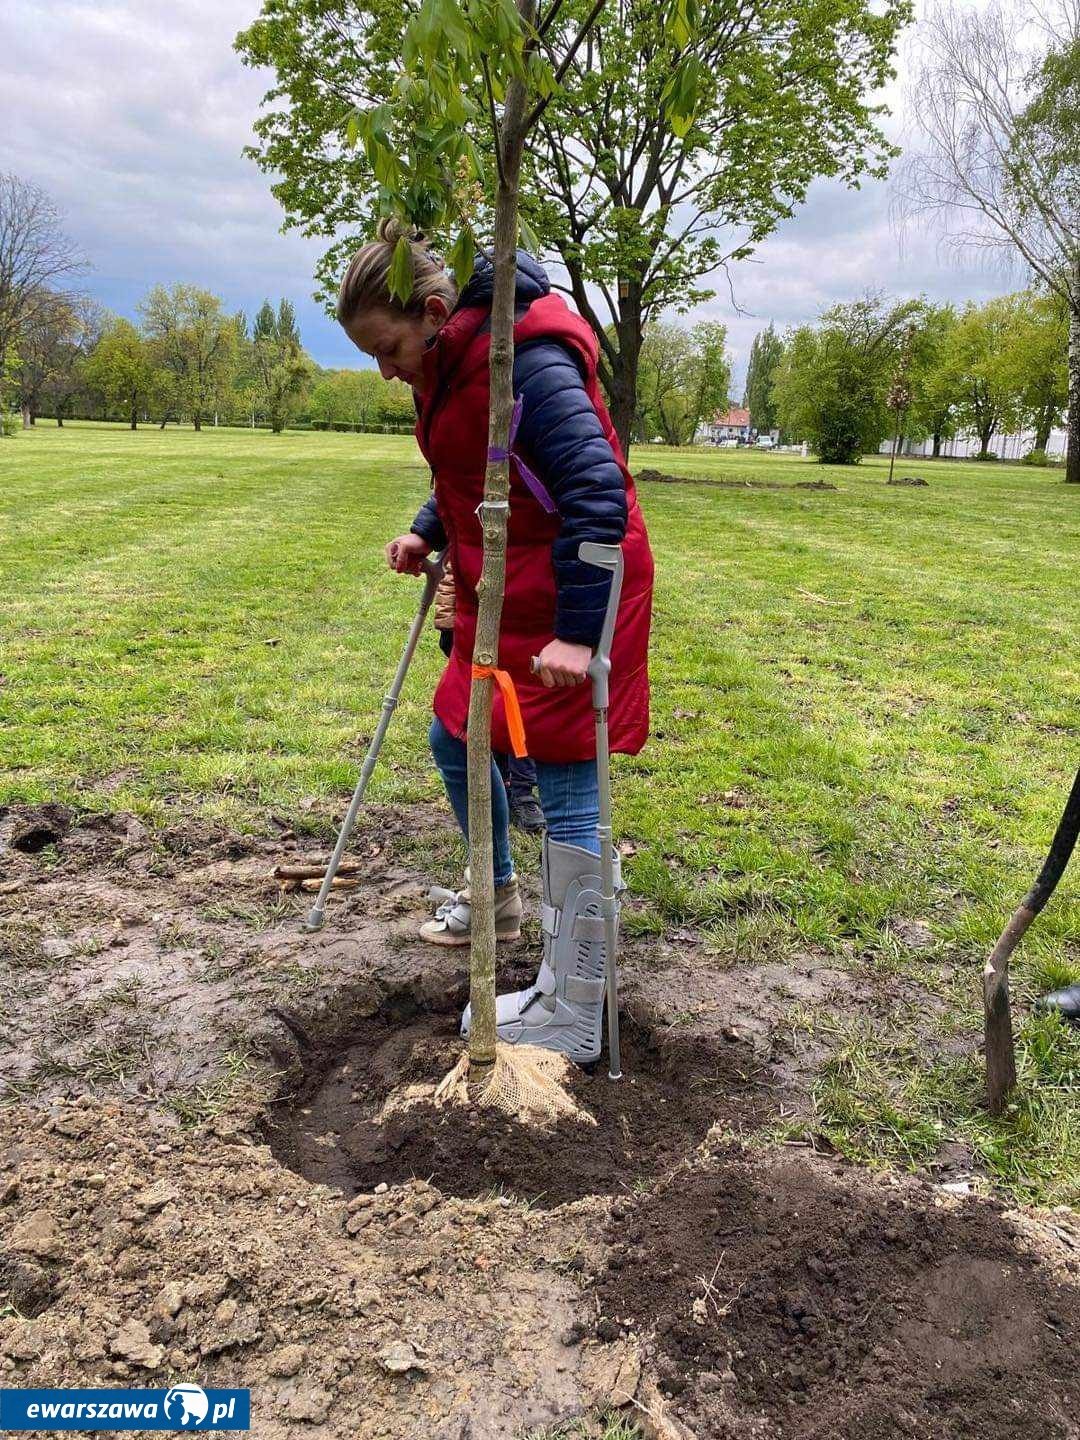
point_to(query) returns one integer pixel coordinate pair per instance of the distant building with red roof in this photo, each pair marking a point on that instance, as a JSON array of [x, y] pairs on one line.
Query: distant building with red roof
[[733, 424]]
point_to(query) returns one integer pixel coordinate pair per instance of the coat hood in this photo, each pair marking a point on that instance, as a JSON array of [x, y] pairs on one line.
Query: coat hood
[[531, 284]]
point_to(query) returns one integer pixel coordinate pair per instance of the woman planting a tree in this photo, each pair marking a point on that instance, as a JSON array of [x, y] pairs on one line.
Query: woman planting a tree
[[569, 484]]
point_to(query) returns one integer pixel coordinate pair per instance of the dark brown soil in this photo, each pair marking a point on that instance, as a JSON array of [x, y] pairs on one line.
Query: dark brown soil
[[840, 1310], [658, 477], [673, 1089]]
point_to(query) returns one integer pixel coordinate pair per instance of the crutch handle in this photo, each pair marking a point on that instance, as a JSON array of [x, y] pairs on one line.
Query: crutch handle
[[434, 568], [610, 558]]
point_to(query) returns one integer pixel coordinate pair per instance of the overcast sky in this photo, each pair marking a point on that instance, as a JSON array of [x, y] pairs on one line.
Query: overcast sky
[[133, 115]]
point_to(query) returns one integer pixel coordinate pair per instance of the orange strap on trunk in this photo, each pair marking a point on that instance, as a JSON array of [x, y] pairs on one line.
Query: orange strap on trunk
[[514, 723]]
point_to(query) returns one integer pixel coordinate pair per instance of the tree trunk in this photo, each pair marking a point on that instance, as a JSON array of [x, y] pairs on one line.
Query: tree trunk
[[937, 445], [1043, 428], [27, 418], [984, 443], [622, 410], [493, 514], [625, 371], [134, 413], [59, 421], [1072, 440], [198, 420]]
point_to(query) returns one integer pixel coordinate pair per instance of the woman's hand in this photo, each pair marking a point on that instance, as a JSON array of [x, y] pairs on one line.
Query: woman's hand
[[405, 553], [563, 663]]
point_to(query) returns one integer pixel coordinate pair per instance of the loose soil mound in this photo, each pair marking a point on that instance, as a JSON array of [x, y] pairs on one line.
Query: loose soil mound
[[673, 1090], [843, 1309], [658, 477]]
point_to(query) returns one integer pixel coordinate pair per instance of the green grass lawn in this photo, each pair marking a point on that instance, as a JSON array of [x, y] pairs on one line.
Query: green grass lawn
[[865, 707]]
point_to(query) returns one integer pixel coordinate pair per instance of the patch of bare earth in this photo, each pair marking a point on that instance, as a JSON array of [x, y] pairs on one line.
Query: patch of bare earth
[[203, 1176]]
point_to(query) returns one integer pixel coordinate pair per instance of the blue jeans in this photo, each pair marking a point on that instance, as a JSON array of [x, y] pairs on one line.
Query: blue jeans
[[569, 798]]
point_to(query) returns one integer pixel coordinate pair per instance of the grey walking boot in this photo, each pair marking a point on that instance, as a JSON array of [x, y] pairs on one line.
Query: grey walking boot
[[564, 1009], [452, 924]]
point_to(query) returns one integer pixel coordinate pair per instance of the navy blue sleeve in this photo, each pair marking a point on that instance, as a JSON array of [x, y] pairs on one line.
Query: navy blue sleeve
[[561, 436], [428, 525]]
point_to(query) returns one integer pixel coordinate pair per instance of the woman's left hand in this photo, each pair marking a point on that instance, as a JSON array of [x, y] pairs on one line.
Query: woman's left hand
[[563, 663]]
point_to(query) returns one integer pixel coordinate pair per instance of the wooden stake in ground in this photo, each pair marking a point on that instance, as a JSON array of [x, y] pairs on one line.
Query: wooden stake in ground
[[1000, 1044]]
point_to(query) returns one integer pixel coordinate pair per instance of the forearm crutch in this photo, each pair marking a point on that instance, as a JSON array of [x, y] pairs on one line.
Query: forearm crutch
[[432, 570], [610, 558]]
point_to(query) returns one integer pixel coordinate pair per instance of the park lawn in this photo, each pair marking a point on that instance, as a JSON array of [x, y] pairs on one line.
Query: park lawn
[[864, 710]]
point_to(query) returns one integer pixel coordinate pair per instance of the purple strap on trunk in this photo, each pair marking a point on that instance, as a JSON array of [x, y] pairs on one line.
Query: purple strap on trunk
[[496, 454]]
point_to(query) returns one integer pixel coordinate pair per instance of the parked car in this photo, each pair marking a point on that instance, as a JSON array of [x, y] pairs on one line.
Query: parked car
[[765, 442], [729, 443]]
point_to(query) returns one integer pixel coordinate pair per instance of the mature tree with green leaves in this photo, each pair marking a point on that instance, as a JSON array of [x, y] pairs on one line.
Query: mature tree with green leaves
[[932, 413], [997, 93], [280, 369], [1038, 356], [347, 397], [196, 347], [629, 198], [832, 384], [765, 355], [684, 377], [121, 371], [396, 404], [982, 376]]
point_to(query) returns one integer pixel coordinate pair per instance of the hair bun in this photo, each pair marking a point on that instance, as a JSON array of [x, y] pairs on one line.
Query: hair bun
[[392, 229]]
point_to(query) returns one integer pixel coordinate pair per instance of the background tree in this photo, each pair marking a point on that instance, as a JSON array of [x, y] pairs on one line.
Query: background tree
[[996, 93], [1038, 356], [66, 379], [120, 370], [980, 372], [396, 404], [832, 384], [900, 394], [932, 414], [196, 346], [280, 367], [765, 355], [35, 255], [48, 339], [685, 376], [630, 200], [347, 397]]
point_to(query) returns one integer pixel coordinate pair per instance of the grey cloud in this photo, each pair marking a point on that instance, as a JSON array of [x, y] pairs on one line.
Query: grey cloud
[[134, 113]]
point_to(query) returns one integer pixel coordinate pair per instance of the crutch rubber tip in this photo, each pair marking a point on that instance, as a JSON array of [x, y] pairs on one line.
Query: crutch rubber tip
[[610, 1076], [315, 921]]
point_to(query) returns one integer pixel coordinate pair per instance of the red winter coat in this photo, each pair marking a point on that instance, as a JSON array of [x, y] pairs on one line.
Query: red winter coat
[[452, 431]]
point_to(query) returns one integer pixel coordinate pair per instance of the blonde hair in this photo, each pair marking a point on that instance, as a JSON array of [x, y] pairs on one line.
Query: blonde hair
[[366, 284]]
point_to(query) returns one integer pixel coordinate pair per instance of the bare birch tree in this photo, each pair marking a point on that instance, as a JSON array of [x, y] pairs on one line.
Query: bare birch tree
[[35, 255], [997, 96]]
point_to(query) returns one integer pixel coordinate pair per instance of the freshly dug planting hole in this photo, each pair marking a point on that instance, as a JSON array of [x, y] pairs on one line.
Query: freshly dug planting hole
[[842, 1309], [671, 1093]]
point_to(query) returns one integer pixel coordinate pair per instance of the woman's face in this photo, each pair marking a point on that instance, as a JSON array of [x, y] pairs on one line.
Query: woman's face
[[397, 342]]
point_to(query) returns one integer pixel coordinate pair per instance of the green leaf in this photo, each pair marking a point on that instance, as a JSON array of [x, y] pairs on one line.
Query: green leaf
[[529, 237], [401, 270], [462, 257], [352, 130]]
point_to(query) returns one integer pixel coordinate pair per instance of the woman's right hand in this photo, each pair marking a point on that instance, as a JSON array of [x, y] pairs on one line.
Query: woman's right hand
[[405, 554]]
